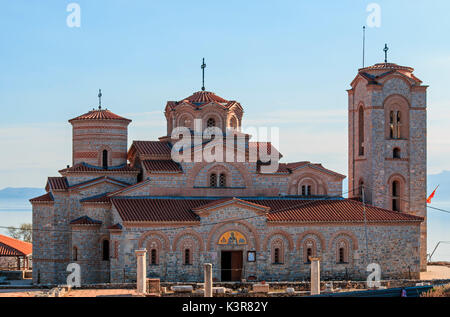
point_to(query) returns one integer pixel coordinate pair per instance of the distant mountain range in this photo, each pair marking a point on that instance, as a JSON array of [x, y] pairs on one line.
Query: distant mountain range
[[20, 193]]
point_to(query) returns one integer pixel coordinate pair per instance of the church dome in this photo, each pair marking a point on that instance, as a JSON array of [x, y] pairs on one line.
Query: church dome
[[100, 114], [205, 97], [387, 66]]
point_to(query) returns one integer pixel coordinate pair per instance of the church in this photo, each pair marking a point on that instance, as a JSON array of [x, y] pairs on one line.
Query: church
[[251, 222]]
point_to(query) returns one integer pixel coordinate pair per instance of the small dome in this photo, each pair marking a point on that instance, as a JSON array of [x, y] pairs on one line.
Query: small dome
[[205, 97], [99, 114]]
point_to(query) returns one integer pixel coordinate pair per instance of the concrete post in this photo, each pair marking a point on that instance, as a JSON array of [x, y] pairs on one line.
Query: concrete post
[[141, 279], [315, 275], [208, 280]]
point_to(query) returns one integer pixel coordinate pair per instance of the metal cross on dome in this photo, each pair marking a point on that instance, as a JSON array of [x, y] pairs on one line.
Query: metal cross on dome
[[203, 74], [100, 99], [385, 49]]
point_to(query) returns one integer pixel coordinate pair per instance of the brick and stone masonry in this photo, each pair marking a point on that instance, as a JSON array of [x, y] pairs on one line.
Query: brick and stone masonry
[[249, 225]]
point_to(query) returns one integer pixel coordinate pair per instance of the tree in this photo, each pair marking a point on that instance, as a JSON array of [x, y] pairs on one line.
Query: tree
[[21, 233]]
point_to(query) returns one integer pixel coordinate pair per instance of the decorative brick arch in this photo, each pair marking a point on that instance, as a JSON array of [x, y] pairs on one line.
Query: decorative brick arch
[[280, 233], [397, 103], [158, 249], [317, 179], [144, 236], [218, 228], [348, 234], [192, 174], [211, 111], [220, 169], [319, 236], [186, 233]]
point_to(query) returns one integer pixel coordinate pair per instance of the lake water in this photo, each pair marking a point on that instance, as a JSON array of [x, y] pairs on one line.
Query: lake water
[[14, 212]]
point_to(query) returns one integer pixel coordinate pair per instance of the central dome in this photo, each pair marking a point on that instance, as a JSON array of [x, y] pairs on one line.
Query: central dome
[[205, 97]]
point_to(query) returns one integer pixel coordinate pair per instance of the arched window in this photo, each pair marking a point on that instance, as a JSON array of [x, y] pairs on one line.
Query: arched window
[[105, 250], [342, 251], [187, 257], [75, 254], [210, 123], [153, 257], [276, 256], [395, 126], [105, 158], [306, 190], [341, 255], [213, 180], [309, 250], [396, 153], [361, 131], [222, 180], [277, 251], [309, 253], [396, 195]]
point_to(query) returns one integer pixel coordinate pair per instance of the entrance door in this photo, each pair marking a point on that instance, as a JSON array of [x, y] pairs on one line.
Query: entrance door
[[231, 265]]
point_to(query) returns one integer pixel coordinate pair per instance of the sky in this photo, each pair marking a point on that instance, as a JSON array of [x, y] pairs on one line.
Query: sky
[[288, 63]]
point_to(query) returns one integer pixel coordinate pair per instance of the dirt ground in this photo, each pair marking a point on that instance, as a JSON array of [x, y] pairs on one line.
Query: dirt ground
[[435, 272]]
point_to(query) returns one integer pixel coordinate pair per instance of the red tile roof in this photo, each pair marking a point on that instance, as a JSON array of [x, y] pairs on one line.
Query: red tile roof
[[331, 210], [204, 97], [387, 66], [100, 114], [157, 210], [85, 220], [44, 198], [86, 168], [152, 147], [13, 247], [162, 166], [154, 209], [56, 184]]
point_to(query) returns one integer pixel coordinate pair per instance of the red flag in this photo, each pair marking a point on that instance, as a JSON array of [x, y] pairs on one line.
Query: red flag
[[432, 195]]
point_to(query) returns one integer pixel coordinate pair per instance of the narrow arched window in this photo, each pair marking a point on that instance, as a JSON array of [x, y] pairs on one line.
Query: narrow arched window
[[395, 125], [153, 257], [105, 158], [210, 123], [399, 125], [187, 257], [309, 253], [396, 153], [396, 196], [105, 250], [361, 189], [361, 131], [75, 254], [391, 124], [222, 180], [213, 180], [341, 255], [276, 256]]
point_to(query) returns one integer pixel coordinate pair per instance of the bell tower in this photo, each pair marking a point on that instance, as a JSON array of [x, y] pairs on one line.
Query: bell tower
[[387, 141]]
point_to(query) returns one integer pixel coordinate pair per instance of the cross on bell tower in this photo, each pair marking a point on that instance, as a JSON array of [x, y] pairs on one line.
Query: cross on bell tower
[[385, 49], [203, 74]]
